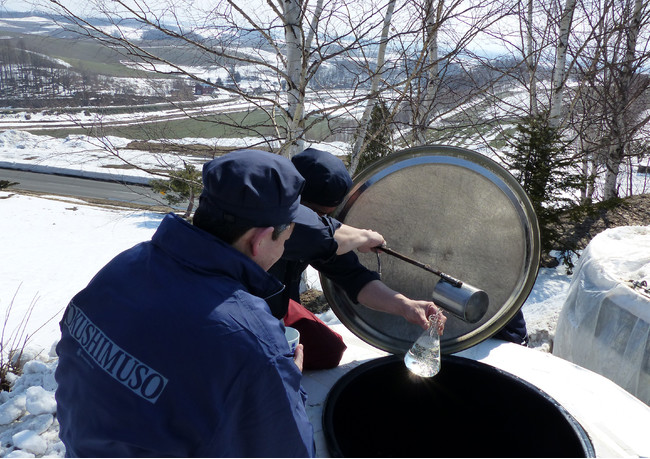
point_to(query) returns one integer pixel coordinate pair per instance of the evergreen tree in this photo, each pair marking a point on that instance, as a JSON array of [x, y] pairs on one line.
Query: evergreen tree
[[6, 184], [183, 186], [541, 165], [377, 136]]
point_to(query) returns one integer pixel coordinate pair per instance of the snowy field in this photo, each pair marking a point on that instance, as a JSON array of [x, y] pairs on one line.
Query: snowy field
[[53, 246]]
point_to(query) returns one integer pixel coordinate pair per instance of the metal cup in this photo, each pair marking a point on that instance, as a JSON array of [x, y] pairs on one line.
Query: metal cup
[[465, 302]]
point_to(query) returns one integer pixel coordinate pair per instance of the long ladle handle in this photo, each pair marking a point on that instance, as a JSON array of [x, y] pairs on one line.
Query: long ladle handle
[[445, 277]]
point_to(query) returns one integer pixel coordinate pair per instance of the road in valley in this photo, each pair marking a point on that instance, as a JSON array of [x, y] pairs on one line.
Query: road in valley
[[63, 185]]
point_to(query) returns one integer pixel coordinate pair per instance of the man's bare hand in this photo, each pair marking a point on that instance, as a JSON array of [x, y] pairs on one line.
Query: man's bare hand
[[378, 296], [418, 312], [435, 311], [350, 238], [299, 356], [371, 239]]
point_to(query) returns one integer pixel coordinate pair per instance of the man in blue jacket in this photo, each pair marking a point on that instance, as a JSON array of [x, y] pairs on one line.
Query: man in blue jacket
[[171, 349], [328, 245]]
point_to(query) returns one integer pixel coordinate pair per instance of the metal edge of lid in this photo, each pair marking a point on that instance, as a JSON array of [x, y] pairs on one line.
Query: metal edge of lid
[[350, 313]]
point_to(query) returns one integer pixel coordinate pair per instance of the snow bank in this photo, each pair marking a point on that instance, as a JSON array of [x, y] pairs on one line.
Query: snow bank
[[28, 424], [84, 156], [543, 305]]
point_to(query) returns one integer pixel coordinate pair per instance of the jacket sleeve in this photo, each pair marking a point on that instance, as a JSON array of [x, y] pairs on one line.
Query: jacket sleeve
[[347, 272], [268, 415], [284, 425], [312, 239]]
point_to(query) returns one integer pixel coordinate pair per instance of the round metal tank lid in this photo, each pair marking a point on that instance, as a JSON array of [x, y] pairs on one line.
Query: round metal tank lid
[[455, 210]]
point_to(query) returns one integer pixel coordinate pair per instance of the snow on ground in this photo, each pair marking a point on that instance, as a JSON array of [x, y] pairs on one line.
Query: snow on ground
[[90, 157], [220, 102]]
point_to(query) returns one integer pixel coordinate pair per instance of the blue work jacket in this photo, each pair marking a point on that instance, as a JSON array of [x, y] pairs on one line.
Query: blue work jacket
[[312, 243], [171, 351]]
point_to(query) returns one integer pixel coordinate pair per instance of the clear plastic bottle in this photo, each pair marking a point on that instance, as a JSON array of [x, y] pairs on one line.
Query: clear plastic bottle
[[423, 358]]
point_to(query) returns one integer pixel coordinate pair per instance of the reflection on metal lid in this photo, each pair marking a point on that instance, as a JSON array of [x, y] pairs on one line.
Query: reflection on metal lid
[[459, 212]]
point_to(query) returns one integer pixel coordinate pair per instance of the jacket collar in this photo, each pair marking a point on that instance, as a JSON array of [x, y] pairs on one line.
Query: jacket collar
[[204, 252]]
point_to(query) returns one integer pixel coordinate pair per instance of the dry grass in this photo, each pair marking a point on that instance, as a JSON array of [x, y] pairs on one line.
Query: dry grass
[[13, 342]]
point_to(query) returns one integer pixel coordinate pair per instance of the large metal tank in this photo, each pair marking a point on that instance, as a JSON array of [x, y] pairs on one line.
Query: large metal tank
[[465, 215]]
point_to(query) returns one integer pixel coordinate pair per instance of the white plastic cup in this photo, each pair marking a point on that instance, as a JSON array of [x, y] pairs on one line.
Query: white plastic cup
[[293, 338]]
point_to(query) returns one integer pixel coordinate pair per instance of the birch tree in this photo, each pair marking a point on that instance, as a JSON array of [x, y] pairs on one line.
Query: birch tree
[[360, 136], [295, 73], [291, 46], [441, 72], [559, 78], [622, 119], [530, 52], [613, 93]]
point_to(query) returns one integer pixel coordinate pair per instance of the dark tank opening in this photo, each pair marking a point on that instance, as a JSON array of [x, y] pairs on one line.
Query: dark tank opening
[[469, 409]]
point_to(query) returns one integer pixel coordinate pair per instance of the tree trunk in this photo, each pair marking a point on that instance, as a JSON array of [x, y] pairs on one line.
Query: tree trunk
[[559, 71], [619, 134], [190, 205], [425, 106], [313, 27], [358, 147], [613, 165], [295, 91], [530, 63]]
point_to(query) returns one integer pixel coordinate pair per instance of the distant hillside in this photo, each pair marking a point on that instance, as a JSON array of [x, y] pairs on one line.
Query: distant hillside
[[81, 69], [44, 65]]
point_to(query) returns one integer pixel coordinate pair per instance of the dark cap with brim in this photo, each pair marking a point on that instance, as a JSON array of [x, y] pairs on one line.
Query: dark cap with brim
[[327, 181], [252, 187]]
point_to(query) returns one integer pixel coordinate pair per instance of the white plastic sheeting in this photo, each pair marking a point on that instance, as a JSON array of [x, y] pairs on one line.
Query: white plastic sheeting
[[604, 324]]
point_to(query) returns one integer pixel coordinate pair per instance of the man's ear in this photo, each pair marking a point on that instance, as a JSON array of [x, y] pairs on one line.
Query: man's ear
[[258, 238]]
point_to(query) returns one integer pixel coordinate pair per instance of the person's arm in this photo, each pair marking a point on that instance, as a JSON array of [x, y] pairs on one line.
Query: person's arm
[[350, 238], [312, 238], [263, 414], [378, 296], [363, 286]]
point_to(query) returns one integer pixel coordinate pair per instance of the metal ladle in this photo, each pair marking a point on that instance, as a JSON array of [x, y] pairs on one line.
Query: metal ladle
[[465, 301]]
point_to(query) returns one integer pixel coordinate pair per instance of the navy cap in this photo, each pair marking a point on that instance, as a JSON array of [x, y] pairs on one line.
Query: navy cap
[[327, 181], [252, 187]]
